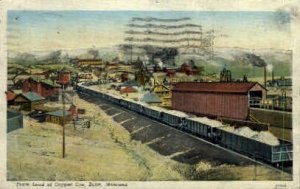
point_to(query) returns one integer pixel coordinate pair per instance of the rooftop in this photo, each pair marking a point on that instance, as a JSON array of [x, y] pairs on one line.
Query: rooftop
[[44, 81], [32, 96], [151, 98], [59, 113], [224, 87]]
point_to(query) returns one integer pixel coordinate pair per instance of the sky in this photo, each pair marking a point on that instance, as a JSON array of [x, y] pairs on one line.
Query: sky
[[29, 31]]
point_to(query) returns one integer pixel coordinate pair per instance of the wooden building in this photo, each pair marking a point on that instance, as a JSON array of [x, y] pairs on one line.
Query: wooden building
[[43, 87], [163, 92], [28, 101], [58, 117], [216, 99]]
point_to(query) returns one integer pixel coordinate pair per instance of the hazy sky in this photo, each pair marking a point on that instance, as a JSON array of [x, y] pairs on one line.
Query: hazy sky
[[52, 30]]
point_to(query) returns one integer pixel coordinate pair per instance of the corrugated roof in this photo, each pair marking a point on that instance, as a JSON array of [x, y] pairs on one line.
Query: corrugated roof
[[224, 87], [151, 98], [32, 96], [59, 113], [44, 81]]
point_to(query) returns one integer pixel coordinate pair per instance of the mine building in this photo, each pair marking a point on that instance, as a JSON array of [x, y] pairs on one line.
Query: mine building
[[216, 99], [58, 117], [28, 101], [43, 87], [163, 92]]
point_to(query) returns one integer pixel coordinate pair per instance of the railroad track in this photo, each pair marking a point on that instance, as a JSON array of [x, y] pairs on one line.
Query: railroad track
[[112, 108]]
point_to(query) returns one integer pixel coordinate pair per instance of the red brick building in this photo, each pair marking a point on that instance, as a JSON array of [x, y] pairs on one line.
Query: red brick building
[[45, 88], [216, 99]]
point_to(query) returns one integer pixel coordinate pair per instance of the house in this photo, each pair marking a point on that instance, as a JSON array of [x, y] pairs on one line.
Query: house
[[10, 97], [14, 121], [216, 99], [58, 117], [151, 98], [43, 87], [28, 100]]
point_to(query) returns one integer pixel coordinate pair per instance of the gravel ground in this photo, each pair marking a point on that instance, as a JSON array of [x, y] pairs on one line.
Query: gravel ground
[[130, 148]]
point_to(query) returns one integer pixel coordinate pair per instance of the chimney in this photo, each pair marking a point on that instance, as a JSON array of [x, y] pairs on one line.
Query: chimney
[[272, 76]]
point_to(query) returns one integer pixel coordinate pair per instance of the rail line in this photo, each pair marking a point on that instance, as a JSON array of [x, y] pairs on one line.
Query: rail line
[[279, 169]]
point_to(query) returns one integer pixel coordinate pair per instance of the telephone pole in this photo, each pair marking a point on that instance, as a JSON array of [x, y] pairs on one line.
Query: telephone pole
[[64, 79], [63, 123]]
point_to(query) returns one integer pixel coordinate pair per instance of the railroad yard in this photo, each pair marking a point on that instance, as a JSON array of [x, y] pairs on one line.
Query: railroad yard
[[163, 104], [121, 145]]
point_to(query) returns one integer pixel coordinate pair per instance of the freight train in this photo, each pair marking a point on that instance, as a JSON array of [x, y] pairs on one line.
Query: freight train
[[272, 154]]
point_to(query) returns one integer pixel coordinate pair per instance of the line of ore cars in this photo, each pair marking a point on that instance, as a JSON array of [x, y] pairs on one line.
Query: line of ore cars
[[243, 145]]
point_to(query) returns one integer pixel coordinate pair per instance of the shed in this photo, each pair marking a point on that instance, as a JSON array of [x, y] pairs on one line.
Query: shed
[[216, 99], [29, 100], [151, 98], [14, 121], [58, 117]]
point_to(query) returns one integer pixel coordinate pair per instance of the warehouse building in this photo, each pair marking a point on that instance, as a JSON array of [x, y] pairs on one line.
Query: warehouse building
[[216, 99]]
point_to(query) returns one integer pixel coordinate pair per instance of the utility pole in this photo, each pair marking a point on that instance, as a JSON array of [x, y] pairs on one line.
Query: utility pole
[[63, 123], [64, 79]]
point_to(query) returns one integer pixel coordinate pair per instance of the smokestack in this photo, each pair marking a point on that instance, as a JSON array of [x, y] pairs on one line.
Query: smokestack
[[265, 76], [272, 76]]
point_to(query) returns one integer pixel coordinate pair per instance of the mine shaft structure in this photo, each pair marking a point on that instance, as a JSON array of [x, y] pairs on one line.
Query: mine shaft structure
[[165, 39]]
